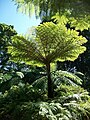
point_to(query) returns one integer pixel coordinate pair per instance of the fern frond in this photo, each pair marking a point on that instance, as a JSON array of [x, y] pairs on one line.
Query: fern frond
[[52, 42], [41, 83], [65, 77]]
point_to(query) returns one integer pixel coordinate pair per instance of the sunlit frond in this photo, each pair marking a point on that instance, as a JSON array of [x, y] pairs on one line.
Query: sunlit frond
[[52, 42]]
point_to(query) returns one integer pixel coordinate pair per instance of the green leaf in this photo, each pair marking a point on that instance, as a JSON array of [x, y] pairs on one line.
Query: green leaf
[[20, 74]]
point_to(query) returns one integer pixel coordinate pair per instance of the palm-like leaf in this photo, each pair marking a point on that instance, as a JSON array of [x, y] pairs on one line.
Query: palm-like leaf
[[67, 78], [52, 42]]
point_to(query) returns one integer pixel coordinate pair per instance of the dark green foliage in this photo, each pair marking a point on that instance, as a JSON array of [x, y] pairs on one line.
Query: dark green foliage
[[32, 74], [19, 73], [6, 32], [12, 101], [9, 79], [82, 63], [30, 102]]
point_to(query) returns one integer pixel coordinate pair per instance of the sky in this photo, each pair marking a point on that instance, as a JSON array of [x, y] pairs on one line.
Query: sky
[[10, 16]]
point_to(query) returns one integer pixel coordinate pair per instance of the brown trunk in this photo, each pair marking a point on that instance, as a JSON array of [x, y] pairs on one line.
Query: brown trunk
[[50, 83]]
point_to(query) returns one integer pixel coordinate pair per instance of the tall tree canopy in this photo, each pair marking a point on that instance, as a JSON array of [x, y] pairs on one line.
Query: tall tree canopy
[[51, 42], [53, 6], [75, 8], [76, 11]]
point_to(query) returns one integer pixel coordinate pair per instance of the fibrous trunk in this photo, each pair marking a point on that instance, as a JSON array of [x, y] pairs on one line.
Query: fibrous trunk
[[50, 83]]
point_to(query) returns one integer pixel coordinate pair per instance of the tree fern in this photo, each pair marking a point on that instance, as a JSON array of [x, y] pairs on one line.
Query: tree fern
[[52, 42]]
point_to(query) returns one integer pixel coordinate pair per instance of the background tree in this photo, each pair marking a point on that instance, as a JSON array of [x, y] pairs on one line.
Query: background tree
[[51, 42], [79, 9], [6, 32]]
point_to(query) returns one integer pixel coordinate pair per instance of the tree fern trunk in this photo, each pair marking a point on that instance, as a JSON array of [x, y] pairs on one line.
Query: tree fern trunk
[[50, 83]]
